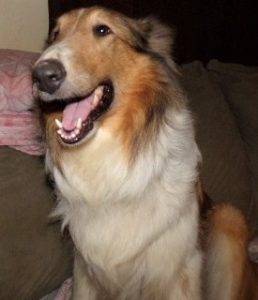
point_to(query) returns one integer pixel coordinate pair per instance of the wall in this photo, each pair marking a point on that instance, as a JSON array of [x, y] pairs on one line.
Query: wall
[[23, 24]]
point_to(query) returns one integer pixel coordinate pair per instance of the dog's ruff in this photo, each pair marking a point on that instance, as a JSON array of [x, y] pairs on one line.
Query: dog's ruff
[[128, 190]]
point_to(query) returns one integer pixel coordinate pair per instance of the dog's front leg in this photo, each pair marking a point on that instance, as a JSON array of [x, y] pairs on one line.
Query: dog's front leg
[[82, 287]]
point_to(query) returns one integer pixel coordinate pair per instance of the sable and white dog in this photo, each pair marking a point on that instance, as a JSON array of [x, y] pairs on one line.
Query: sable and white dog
[[122, 152]]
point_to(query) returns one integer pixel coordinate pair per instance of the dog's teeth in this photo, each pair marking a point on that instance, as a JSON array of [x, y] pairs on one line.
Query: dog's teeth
[[98, 94], [95, 100], [99, 91], [60, 131], [77, 131], [79, 124], [73, 135], [58, 124]]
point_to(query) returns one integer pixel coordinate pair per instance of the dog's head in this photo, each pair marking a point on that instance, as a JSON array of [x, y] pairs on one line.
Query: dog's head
[[95, 58]]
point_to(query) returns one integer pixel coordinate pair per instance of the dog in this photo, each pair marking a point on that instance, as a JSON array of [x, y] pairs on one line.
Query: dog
[[121, 149]]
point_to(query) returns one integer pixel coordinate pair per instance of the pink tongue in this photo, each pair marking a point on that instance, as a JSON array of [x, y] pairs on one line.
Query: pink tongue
[[76, 110]]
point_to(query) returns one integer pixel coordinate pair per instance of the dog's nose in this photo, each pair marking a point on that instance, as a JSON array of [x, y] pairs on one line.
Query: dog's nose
[[49, 75]]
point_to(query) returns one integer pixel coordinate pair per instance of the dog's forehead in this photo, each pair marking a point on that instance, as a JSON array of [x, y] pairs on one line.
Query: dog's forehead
[[84, 16]]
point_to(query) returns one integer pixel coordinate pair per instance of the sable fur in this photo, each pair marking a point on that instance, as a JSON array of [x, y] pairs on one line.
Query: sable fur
[[129, 192]]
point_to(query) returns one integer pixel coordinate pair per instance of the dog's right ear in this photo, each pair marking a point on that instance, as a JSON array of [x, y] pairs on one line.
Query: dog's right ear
[[159, 37]]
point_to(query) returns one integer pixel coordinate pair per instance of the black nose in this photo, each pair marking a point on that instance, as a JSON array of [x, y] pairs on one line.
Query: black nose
[[49, 75]]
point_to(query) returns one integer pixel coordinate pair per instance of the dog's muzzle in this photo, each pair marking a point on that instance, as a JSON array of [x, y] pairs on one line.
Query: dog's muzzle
[[48, 75]]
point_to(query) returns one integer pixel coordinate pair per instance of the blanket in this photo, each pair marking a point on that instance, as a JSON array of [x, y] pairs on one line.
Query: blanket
[[19, 123]]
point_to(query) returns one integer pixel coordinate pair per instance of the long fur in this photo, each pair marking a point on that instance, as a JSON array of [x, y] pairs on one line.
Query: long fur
[[128, 193]]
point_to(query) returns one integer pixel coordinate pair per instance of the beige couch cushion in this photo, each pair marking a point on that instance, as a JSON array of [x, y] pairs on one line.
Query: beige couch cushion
[[34, 258], [224, 173], [240, 87]]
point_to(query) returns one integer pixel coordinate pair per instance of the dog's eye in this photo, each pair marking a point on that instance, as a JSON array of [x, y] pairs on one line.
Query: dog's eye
[[53, 35], [101, 30]]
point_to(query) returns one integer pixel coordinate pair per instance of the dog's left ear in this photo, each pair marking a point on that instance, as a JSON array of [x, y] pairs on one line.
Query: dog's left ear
[[159, 37]]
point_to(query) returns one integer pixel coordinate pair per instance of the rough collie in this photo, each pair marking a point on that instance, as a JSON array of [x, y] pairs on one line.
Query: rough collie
[[122, 152]]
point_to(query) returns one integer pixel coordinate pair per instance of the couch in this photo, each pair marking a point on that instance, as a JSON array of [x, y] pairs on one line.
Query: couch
[[36, 258]]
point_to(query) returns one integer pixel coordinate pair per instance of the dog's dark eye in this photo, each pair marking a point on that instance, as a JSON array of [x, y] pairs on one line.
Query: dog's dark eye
[[101, 30], [53, 35]]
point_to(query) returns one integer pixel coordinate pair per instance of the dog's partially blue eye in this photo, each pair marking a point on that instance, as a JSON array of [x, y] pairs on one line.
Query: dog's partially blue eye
[[101, 30]]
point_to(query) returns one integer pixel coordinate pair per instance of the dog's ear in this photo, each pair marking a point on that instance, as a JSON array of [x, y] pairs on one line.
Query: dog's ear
[[159, 37]]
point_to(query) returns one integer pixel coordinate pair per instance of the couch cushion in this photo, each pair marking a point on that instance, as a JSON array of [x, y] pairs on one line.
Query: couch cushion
[[240, 87], [34, 258], [224, 171]]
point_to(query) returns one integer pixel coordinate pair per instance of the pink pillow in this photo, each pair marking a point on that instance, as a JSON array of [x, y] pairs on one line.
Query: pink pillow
[[15, 80], [19, 124]]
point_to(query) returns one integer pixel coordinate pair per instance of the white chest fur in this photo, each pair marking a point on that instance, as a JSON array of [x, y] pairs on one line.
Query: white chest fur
[[115, 213]]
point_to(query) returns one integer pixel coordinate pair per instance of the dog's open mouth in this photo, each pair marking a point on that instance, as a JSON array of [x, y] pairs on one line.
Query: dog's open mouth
[[80, 113]]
